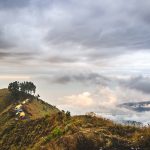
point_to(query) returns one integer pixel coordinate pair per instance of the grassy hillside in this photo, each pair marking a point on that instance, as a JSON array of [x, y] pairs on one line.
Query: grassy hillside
[[5, 99], [47, 128], [76, 133], [38, 108]]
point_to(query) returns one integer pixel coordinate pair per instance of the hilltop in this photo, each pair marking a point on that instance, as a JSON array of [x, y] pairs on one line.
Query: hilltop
[[47, 128]]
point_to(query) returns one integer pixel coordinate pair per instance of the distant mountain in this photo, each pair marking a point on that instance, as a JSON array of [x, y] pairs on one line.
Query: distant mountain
[[137, 106], [32, 124], [130, 122]]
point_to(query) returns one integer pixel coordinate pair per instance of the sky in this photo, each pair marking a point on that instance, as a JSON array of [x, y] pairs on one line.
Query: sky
[[82, 55]]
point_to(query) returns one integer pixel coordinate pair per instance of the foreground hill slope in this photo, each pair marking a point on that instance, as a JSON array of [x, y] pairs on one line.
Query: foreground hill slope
[[46, 128], [5, 99]]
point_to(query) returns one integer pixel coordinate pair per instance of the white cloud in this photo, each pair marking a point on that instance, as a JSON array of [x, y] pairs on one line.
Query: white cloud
[[82, 100]]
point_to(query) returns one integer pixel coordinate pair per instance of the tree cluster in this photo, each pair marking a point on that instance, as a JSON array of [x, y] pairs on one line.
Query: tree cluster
[[19, 89]]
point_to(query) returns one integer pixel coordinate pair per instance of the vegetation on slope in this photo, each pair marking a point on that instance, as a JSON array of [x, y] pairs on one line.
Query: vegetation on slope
[[5, 99], [47, 128], [58, 132]]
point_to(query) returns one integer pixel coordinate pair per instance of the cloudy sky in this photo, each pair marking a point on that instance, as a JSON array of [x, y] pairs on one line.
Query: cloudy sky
[[82, 55]]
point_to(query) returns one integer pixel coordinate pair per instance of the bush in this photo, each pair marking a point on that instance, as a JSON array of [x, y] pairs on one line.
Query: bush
[[48, 138], [57, 132], [68, 115], [59, 116]]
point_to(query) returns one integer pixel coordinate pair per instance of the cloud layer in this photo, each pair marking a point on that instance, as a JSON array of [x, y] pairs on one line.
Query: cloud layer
[[87, 31]]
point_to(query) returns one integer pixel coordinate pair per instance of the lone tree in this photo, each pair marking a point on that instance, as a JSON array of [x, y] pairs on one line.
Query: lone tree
[[21, 89]]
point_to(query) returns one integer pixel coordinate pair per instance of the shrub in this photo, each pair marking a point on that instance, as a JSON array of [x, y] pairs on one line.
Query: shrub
[[48, 138], [57, 132], [68, 115], [60, 116]]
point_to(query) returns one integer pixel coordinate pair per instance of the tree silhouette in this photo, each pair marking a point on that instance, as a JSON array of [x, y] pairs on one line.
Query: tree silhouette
[[21, 89], [14, 86], [14, 89]]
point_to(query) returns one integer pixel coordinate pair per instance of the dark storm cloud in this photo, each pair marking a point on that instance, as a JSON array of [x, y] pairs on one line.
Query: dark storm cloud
[[102, 26], [11, 4], [72, 31], [61, 59], [4, 42], [5, 56], [91, 78], [139, 83]]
